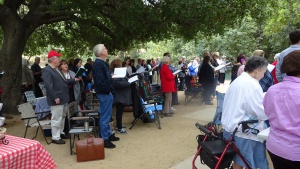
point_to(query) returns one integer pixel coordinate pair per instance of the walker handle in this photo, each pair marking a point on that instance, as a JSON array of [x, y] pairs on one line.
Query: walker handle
[[248, 121], [203, 129]]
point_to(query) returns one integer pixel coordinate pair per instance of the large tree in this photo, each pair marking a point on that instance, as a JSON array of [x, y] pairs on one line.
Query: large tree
[[76, 25]]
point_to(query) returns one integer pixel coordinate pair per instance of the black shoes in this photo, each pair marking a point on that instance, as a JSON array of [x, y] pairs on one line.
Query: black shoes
[[58, 141], [64, 136], [113, 138], [109, 144]]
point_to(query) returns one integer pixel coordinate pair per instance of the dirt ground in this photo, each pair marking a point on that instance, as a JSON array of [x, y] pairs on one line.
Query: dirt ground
[[145, 146]]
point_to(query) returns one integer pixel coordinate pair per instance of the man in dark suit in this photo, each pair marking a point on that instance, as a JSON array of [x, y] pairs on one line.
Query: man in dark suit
[[104, 88], [57, 95]]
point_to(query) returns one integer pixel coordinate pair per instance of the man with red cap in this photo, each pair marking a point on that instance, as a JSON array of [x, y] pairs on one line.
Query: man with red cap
[[57, 95]]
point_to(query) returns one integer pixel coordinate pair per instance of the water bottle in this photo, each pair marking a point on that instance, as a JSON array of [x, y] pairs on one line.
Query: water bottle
[[86, 126], [151, 115]]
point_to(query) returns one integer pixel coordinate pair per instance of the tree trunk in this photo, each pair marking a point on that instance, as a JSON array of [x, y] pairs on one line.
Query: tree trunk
[[11, 58]]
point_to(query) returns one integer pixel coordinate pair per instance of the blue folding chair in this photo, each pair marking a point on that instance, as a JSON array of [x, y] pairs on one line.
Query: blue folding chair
[[150, 110]]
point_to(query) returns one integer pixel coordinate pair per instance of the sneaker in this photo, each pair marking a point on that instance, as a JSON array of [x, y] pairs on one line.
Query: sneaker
[[113, 138], [109, 144], [58, 141], [121, 131], [173, 109]]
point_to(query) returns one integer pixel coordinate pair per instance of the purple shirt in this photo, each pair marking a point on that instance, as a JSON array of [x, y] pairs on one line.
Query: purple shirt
[[282, 106]]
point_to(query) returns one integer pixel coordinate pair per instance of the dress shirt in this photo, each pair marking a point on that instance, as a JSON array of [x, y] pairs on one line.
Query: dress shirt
[[282, 105]]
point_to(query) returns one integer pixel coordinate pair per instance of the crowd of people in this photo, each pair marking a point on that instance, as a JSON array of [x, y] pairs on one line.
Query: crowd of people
[[256, 92]]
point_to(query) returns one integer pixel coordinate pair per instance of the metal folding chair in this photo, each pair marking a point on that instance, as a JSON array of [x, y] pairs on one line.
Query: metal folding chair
[[29, 116]]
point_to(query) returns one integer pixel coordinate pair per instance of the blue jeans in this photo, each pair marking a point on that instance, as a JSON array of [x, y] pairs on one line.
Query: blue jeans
[[105, 112], [214, 87]]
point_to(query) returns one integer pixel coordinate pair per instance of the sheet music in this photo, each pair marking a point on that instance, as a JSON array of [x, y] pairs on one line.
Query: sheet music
[[177, 71], [220, 67], [133, 79], [140, 70], [270, 67], [119, 72]]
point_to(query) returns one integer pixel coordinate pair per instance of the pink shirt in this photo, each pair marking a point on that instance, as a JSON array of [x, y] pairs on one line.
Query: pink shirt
[[282, 106], [241, 70]]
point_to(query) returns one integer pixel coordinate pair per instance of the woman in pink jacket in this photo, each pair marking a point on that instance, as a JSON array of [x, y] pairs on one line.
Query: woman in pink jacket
[[167, 85]]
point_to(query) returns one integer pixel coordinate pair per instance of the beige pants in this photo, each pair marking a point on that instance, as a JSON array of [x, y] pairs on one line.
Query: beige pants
[[58, 120], [168, 102]]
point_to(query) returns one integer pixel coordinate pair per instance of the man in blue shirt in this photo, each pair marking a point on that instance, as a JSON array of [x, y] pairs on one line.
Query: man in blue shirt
[[104, 90], [295, 40]]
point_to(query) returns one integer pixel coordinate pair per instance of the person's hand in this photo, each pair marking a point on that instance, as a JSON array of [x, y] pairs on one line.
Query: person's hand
[[78, 79], [57, 101]]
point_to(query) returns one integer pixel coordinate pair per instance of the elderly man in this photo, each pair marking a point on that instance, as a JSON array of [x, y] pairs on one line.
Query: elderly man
[[104, 88], [57, 95]]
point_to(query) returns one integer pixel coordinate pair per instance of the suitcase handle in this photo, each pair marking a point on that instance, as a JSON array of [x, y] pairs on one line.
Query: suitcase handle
[[89, 139]]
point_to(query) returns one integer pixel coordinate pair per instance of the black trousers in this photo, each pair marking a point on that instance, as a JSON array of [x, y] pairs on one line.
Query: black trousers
[[281, 163], [119, 115], [37, 90], [181, 83], [221, 77], [207, 92]]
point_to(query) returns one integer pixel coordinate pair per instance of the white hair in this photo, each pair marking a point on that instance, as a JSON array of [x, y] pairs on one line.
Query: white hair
[[98, 49], [24, 62], [165, 59], [51, 59]]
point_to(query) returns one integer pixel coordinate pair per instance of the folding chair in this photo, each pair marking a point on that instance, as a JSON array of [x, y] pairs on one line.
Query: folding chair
[[30, 97], [29, 116], [193, 91], [42, 87], [90, 105], [148, 108], [76, 131]]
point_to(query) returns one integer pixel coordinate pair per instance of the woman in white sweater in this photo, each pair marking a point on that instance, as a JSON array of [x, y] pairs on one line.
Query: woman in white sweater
[[243, 101]]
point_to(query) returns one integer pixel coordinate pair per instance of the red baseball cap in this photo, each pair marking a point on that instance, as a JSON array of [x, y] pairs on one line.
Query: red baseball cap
[[53, 53]]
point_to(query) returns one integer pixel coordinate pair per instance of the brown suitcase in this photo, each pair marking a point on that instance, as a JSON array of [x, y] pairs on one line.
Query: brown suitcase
[[90, 148]]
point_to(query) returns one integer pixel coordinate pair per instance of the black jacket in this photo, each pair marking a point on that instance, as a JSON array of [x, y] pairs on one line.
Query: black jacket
[[206, 75]]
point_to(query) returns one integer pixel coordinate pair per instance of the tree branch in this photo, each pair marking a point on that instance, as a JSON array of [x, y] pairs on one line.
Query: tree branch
[[13, 4], [104, 29]]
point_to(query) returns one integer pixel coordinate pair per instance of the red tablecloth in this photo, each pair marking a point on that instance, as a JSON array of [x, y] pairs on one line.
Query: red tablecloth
[[24, 153]]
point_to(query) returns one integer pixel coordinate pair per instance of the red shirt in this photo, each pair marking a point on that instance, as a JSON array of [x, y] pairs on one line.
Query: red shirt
[[167, 79], [273, 73]]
